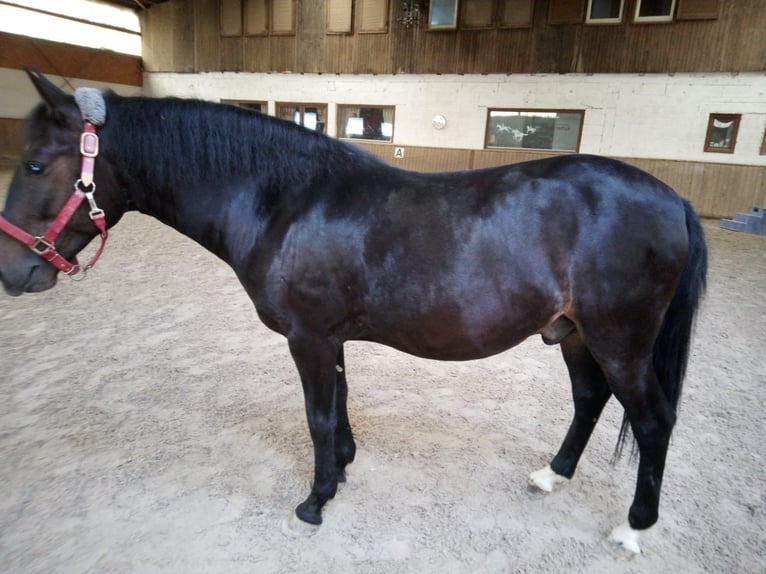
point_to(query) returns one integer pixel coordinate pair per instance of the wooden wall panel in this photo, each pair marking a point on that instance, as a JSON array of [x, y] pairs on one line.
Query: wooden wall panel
[[283, 54], [472, 52], [420, 158], [157, 42], [183, 37], [11, 140], [205, 38], [257, 54], [744, 22], [18, 52], [716, 190], [492, 158], [733, 42], [232, 54], [183, 33], [309, 44], [339, 51], [698, 9], [366, 51]]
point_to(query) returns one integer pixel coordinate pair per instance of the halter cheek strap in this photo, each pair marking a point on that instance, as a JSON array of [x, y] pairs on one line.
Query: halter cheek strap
[[84, 188]]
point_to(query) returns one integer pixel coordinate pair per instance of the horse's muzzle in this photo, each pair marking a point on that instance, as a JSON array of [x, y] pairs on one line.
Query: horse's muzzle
[[27, 278]]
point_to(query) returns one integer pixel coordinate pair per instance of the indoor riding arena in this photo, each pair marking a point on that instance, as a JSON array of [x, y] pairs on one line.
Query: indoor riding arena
[[152, 409]]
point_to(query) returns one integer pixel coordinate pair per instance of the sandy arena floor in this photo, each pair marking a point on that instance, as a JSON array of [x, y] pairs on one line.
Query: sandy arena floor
[[150, 423]]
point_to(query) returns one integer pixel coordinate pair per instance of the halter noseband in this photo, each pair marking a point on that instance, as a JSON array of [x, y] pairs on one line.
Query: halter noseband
[[84, 188]]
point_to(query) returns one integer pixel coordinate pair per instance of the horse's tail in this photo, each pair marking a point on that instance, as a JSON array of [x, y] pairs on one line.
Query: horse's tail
[[671, 348]]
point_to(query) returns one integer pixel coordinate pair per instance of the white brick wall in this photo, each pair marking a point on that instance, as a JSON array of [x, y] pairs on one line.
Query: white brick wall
[[626, 115]]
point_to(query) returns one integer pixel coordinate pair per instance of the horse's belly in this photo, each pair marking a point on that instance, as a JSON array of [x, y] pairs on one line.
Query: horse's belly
[[460, 333], [454, 350]]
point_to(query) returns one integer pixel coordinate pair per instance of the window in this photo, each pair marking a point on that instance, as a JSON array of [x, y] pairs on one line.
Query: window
[[604, 11], [311, 116], [722, 133], [231, 17], [373, 16], [366, 122], [477, 14], [261, 107], [535, 129], [339, 16], [442, 14], [516, 13], [282, 17], [257, 17], [654, 10]]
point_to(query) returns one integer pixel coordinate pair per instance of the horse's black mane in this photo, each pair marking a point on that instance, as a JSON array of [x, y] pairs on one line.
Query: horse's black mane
[[173, 142]]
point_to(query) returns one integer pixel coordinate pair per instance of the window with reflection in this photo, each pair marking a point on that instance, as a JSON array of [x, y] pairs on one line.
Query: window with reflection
[[534, 129], [311, 116], [654, 10], [722, 133], [366, 122], [442, 14], [261, 107], [604, 11]]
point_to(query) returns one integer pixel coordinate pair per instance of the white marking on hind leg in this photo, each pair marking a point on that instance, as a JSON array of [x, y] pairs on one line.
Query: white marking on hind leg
[[626, 537], [545, 479]]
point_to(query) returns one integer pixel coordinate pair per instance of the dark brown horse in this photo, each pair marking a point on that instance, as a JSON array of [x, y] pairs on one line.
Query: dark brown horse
[[332, 244]]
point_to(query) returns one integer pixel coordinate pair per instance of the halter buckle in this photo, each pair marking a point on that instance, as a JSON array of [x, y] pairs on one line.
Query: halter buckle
[[40, 246], [88, 144]]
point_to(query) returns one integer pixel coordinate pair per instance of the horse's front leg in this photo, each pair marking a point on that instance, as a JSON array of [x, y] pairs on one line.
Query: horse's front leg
[[315, 358]]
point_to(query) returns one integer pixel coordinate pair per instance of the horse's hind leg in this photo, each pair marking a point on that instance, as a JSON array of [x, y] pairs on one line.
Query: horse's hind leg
[[590, 392], [345, 448], [651, 418]]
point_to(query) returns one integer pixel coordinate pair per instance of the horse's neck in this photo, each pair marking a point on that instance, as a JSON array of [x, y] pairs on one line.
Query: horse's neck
[[222, 218], [223, 175]]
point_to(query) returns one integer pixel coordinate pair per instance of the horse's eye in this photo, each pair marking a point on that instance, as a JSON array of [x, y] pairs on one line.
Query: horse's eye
[[34, 168]]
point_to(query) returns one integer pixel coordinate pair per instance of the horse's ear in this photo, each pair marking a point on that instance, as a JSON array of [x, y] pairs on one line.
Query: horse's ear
[[61, 106]]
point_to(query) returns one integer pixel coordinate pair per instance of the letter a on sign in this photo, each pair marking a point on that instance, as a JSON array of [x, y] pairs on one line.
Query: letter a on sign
[[399, 153]]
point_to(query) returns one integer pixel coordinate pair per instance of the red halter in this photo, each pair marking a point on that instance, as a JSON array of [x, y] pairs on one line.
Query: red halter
[[84, 188]]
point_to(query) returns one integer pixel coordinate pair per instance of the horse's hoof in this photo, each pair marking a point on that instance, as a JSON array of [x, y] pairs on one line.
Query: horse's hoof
[[626, 540], [294, 526], [545, 479]]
